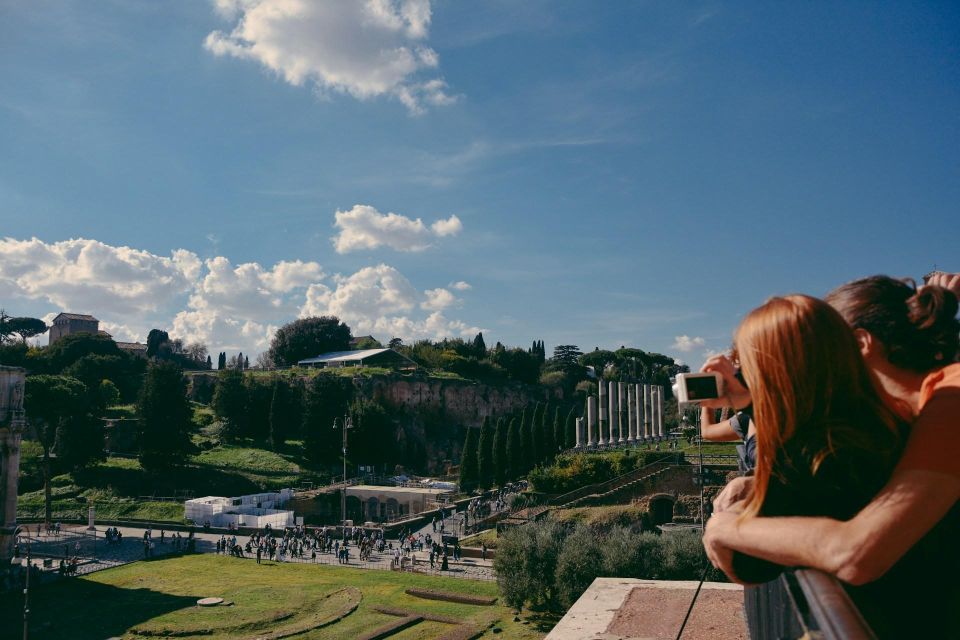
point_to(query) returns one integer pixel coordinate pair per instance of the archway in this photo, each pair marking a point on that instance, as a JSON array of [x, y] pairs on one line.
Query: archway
[[373, 509], [393, 507], [354, 508], [661, 508]]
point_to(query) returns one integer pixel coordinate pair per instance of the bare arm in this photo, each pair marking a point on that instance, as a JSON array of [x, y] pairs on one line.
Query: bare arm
[[716, 431], [859, 550]]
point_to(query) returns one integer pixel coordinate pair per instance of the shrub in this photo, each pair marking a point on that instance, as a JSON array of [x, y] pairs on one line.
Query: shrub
[[579, 563], [632, 555], [526, 563]]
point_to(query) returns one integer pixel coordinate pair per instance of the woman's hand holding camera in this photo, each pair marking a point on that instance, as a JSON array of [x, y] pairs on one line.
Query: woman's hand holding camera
[[737, 395]]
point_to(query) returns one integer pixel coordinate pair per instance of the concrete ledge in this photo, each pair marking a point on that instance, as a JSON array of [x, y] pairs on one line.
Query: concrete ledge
[[606, 611]]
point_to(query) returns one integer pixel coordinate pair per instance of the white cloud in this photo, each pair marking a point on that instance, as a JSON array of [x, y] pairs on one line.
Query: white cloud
[[449, 227], [83, 275], [438, 300], [686, 343], [364, 48], [461, 285], [363, 227], [229, 307], [381, 301]]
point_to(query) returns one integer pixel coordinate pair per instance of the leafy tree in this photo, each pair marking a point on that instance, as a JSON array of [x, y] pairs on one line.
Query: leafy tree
[[196, 351], [80, 440], [50, 402], [68, 349], [155, 339], [23, 327], [109, 393], [469, 476], [485, 454], [526, 564], [514, 450], [577, 564], [165, 416], [308, 337], [501, 465], [123, 369], [599, 359], [230, 403], [567, 355], [368, 342], [327, 399], [520, 365], [395, 343]]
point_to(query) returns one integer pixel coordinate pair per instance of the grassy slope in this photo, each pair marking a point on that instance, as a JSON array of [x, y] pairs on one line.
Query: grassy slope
[[119, 485], [162, 593]]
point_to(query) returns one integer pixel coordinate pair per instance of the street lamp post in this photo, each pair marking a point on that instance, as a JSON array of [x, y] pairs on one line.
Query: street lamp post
[[347, 425]]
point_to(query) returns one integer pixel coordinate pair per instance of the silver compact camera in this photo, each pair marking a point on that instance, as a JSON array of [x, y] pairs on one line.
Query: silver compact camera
[[691, 388]]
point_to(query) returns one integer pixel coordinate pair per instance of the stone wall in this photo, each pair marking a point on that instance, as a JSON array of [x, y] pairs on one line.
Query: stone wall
[[456, 401]]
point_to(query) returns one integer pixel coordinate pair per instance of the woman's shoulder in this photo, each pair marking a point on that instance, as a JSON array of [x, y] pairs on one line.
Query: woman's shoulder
[[946, 378]]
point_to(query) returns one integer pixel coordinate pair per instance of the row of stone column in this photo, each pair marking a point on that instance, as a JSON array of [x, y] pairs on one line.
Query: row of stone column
[[622, 413]]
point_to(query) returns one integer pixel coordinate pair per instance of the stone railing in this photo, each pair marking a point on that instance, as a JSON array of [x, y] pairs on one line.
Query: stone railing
[[803, 604]]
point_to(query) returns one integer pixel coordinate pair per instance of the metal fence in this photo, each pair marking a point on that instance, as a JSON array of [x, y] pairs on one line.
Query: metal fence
[[803, 604]]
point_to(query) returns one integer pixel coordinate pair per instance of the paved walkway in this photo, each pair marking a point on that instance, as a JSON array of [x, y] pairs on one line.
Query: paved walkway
[[131, 550]]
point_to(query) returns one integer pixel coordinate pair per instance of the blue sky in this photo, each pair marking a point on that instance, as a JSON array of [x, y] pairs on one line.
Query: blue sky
[[605, 173]]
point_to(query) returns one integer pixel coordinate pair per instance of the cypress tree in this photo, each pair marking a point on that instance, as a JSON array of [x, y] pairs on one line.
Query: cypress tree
[[278, 415], [165, 416], [246, 362], [479, 346], [240, 361], [546, 430], [537, 444], [229, 404], [222, 360], [485, 455], [468, 463], [526, 444], [500, 463], [570, 429], [514, 451], [557, 433], [209, 362]]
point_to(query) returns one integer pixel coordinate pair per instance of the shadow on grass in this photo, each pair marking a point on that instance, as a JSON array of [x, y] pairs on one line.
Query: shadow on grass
[[84, 610]]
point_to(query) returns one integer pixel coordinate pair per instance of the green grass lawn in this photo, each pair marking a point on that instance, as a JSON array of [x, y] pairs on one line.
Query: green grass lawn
[[158, 598]]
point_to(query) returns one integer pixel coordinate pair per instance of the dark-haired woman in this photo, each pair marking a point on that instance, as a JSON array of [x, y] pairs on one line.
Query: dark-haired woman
[[909, 341]]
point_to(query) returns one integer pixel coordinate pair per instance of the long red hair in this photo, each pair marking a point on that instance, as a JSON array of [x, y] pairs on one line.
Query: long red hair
[[810, 388]]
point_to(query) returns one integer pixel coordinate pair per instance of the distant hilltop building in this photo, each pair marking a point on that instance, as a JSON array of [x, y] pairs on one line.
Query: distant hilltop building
[[66, 324], [361, 358]]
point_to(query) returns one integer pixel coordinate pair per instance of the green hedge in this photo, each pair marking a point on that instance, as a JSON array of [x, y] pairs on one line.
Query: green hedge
[[574, 470]]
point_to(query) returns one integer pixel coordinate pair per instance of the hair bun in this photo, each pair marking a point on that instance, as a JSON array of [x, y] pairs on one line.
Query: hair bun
[[932, 306], [933, 311]]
